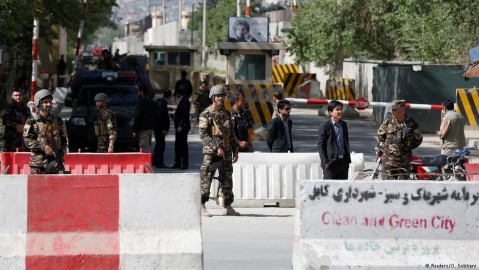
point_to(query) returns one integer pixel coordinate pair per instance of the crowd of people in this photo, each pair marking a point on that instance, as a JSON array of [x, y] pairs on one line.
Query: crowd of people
[[223, 133]]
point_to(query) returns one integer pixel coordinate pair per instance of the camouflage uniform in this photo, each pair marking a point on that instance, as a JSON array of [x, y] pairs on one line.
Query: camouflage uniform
[[15, 114], [242, 124], [39, 132], [399, 139], [216, 130], [105, 129]]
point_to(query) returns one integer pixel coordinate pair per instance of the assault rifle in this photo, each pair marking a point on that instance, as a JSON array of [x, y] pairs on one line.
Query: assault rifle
[[220, 167], [57, 164]]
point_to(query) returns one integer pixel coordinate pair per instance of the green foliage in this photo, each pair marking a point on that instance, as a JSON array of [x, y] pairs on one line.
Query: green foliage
[[16, 27], [434, 31]]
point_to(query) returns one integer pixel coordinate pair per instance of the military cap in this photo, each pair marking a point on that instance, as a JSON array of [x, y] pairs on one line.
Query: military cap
[[399, 104]]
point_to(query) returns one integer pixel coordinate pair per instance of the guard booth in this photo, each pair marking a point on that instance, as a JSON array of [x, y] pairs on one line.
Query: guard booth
[[166, 62], [249, 62]]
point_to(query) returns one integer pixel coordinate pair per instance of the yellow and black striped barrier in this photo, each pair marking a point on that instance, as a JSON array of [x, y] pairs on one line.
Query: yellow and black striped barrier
[[292, 81], [340, 89], [280, 71], [291, 78], [468, 105], [258, 97]]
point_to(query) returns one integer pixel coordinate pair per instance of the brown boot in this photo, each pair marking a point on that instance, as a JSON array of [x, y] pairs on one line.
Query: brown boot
[[229, 211], [204, 211]]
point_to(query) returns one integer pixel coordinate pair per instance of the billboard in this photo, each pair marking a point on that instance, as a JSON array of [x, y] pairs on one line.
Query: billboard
[[248, 29]]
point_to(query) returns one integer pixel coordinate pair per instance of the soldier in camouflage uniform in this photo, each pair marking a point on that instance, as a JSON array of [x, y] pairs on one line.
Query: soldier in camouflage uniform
[[242, 123], [105, 127], [216, 132], [44, 134], [400, 135], [13, 118]]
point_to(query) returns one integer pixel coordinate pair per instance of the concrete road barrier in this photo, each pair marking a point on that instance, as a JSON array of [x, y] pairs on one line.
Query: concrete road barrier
[[269, 179], [83, 163], [129, 221], [386, 225]]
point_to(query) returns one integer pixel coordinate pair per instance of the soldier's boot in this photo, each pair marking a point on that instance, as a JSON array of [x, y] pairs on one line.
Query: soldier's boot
[[229, 211], [204, 211]]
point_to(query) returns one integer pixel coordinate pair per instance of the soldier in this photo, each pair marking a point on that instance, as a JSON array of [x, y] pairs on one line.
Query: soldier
[[44, 134], [201, 99], [242, 123], [216, 132], [105, 127], [400, 135], [13, 118]]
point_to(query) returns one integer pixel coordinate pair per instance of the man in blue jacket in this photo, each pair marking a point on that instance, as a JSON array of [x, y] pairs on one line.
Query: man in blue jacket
[[333, 143]]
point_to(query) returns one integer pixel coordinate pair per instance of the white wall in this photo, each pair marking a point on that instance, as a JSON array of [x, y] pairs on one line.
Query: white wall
[[166, 35], [362, 73]]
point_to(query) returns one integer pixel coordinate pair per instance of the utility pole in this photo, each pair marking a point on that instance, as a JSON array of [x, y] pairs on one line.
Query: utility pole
[[36, 33], [203, 37], [238, 8], [192, 21], [164, 13], [180, 7], [80, 32]]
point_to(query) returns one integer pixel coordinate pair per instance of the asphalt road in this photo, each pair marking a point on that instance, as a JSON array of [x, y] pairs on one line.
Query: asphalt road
[[262, 238]]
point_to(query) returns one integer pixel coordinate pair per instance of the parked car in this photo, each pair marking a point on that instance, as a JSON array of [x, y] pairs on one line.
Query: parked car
[[122, 91]]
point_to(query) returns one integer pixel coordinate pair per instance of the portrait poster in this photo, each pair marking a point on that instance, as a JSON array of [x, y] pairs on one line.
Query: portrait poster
[[248, 29]]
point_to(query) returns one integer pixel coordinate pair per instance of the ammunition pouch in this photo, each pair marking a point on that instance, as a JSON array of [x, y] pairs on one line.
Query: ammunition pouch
[[97, 125]]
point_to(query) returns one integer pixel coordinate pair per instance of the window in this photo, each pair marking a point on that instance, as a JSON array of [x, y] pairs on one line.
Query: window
[[160, 58], [250, 67], [179, 58], [118, 95]]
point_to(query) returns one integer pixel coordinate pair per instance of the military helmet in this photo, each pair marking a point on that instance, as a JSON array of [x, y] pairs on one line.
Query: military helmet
[[41, 95], [101, 96], [217, 90]]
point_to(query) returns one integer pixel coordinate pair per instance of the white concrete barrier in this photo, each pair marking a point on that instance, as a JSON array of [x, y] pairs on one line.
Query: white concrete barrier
[[134, 221], [386, 225], [269, 179]]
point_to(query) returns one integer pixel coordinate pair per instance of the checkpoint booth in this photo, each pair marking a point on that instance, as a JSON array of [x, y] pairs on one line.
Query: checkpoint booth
[[166, 63], [249, 70], [249, 62]]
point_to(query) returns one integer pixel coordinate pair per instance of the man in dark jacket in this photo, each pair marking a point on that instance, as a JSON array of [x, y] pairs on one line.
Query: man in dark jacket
[[182, 127], [185, 84], [143, 123], [333, 143], [13, 118], [162, 126], [279, 129]]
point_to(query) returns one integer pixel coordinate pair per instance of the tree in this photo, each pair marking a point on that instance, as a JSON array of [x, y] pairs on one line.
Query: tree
[[327, 31], [16, 26]]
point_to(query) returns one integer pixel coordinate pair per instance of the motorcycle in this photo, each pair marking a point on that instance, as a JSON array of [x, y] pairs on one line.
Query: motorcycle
[[439, 167]]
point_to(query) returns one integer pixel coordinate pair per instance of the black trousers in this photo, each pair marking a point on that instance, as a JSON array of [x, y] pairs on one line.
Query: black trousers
[[159, 148], [338, 170], [181, 149]]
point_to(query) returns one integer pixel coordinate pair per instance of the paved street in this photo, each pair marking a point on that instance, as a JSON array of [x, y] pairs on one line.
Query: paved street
[[262, 238]]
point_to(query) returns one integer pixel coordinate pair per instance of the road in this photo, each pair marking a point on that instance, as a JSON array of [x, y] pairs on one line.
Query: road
[[262, 238]]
